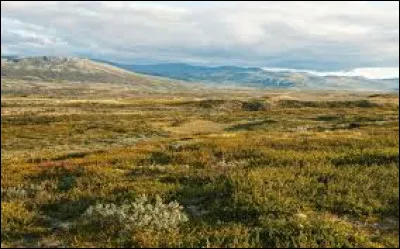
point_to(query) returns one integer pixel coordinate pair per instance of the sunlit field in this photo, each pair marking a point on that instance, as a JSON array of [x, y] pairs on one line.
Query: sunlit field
[[265, 169]]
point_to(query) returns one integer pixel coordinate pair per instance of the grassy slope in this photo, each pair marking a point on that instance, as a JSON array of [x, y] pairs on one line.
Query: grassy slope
[[251, 169]]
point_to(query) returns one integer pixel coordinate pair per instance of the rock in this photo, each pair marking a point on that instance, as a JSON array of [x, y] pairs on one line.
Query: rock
[[301, 216], [176, 147], [354, 125], [195, 211]]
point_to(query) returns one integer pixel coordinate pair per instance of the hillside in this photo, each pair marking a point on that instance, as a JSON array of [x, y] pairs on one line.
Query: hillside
[[69, 69]]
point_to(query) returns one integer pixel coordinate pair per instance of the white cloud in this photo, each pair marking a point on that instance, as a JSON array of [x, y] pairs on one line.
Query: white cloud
[[316, 35], [370, 73]]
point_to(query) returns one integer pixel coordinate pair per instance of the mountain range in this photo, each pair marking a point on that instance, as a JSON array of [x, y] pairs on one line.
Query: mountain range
[[261, 78], [178, 75]]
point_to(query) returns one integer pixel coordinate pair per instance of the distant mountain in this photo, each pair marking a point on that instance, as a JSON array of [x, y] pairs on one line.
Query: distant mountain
[[70, 69], [225, 75], [260, 78]]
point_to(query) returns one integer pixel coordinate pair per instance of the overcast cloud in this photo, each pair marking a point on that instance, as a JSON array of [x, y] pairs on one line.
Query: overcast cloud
[[325, 36]]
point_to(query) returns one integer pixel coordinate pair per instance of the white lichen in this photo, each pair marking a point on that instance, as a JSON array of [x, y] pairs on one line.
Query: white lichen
[[139, 214]]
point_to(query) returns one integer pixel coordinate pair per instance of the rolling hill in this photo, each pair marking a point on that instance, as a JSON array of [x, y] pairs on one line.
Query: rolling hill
[[78, 70]]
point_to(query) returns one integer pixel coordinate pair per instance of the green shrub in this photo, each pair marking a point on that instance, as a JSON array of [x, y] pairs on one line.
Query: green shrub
[[310, 232], [255, 105]]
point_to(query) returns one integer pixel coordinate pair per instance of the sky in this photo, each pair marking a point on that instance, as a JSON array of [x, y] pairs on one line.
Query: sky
[[319, 36]]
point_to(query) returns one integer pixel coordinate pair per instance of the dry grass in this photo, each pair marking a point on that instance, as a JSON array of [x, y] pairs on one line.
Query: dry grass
[[320, 173]]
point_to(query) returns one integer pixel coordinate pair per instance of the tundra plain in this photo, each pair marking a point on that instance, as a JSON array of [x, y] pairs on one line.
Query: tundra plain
[[204, 168]]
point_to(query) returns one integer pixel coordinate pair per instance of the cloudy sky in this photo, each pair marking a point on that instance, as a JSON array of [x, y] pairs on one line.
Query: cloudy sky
[[327, 36]]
